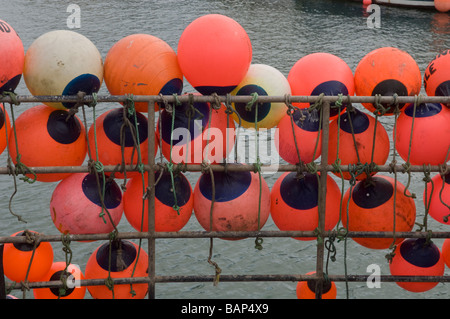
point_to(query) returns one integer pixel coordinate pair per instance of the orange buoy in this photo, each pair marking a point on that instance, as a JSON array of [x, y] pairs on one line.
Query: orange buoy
[[5, 127], [307, 289], [263, 80], [48, 137], [319, 73], [371, 209], [55, 64], [118, 259], [445, 251], [76, 205], [142, 64], [294, 203], [417, 257], [436, 80], [303, 132], [199, 133], [17, 258], [214, 53], [111, 131], [170, 215], [387, 71], [70, 274], [237, 205], [352, 141], [12, 57], [437, 198], [430, 139], [442, 5]]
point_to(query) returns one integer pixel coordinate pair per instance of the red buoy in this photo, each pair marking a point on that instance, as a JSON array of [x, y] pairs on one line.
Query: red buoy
[[237, 205], [387, 71], [294, 203], [352, 141], [5, 127], [12, 57], [170, 215], [118, 259], [438, 198], [142, 64], [76, 205], [430, 139], [48, 137], [302, 131], [214, 53], [436, 80], [371, 209], [71, 274], [18, 256], [417, 257], [319, 73], [445, 251], [307, 289]]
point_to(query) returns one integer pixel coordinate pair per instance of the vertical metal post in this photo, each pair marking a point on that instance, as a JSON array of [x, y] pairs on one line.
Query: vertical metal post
[[151, 200], [322, 196]]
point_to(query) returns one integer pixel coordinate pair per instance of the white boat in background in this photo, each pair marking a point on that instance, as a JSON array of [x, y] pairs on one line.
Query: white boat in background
[[407, 3]]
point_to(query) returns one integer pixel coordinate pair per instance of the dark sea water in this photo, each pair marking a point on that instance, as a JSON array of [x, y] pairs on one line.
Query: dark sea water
[[281, 32]]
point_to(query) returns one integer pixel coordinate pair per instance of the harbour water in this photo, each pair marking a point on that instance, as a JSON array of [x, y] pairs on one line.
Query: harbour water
[[281, 32]]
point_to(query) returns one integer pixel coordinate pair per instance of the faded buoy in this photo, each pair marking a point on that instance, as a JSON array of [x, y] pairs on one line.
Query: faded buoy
[[436, 80], [70, 274], [214, 53], [263, 80], [307, 289], [120, 259], [371, 209], [237, 205], [301, 133], [199, 133], [48, 137], [115, 128], [437, 197], [319, 73], [352, 141], [172, 211], [387, 71], [430, 139], [12, 57], [417, 257], [76, 204], [142, 64], [17, 258], [62, 62], [294, 203]]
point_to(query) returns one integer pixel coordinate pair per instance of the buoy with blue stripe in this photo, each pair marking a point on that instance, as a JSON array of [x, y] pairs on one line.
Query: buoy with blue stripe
[[307, 289], [371, 209], [17, 258], [117, 259], [62, 62], [76, 204], [172, 210], [142, 64], [387, 71], [352, 141], [437, 198], [214, 53], [302, 132], [417, 257], [47, 136], [294, 203], [12, 57], [237, 205], [263, 80], [436, 80], [319, 73], [430, 134], [199, 133], [71, 274], [114, 128]]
